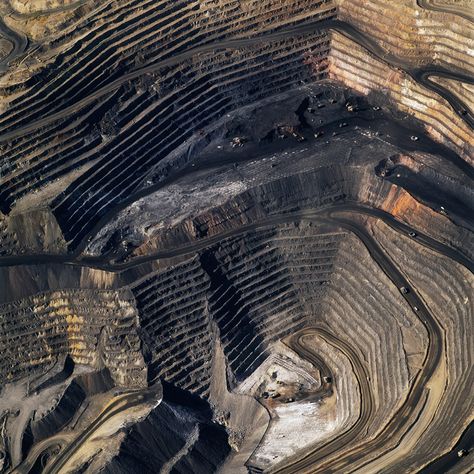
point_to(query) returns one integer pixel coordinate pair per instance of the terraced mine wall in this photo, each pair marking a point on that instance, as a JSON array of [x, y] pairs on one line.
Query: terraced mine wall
[[173, 318], [195, 193], [207, 88], [193, 438], [312, 189], [50, 424], [96, 329], [369, 75], [112, 132], [415, 36], [454, 313]]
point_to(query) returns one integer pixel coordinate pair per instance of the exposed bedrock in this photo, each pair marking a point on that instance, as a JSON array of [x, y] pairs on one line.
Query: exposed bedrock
[[320, 413], [236, 236], [178, 436], [446, 287], [261, 287], [368, 74], [97, 152], [49, 424], [97, 329], [309, 190]]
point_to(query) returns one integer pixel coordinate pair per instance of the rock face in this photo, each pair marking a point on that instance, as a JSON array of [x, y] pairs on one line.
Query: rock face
[[236, 236]]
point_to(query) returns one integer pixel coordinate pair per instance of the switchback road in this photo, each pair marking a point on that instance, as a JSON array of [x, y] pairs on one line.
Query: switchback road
[[314, 461], [304, 350], [398, 424], [124, 401]]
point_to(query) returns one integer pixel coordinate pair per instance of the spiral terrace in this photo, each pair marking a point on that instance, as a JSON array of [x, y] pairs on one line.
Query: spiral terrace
[[236, 236]]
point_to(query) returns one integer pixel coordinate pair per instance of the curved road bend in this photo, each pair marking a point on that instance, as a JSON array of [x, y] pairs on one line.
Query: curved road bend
[[62, 439], [294, 342], [420, 75], [433, 356], [19, 43], [282, 219], [125, 402], [400, 226], [116, 406], [17, 15], [327, 215], [458, 10], [423, 75], [366, 395], [36, 451], [345, 28], [462, 165], [98, 262], [324, 391]]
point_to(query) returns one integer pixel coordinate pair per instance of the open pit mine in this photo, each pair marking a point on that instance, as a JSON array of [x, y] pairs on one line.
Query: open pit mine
[[236, 236]]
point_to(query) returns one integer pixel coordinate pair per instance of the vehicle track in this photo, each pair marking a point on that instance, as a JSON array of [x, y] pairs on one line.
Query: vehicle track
[[296, 343], [462, 165], [102, 263], [401, 420], [324, 391], [123, 402], [331, 215], [445, 8], [421, 75], [19, 42]]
